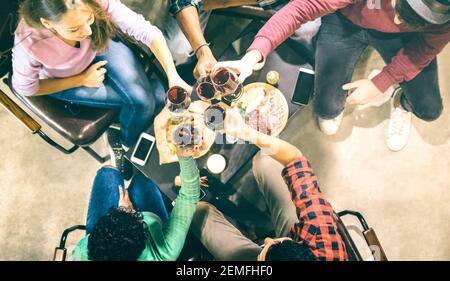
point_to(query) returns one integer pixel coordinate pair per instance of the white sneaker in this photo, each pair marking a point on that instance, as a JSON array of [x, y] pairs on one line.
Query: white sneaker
[[330, 126], [399, 128]]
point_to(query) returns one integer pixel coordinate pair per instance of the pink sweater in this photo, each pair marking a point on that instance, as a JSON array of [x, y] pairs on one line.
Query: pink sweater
[[408, 62], [39, 54]]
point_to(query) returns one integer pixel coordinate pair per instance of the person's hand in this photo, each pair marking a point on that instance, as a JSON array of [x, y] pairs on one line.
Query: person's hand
[[204, 181], [95, 75], [243, 69], [176, 80], [205, 63], [190, 151], [245, 66], [124, 199], [364, 91], [234, 125]]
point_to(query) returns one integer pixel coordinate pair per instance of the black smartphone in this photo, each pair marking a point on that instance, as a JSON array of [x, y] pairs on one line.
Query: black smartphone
[[304, 87]]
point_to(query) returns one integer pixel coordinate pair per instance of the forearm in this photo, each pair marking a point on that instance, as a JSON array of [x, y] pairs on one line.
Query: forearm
[[284, 23], [278, 149], [190, 178], [189, 22], [162, 53], [411, 60], [183, 211], [51, 86]]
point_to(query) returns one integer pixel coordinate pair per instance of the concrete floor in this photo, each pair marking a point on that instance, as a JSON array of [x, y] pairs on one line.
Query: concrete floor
[[403, 195]]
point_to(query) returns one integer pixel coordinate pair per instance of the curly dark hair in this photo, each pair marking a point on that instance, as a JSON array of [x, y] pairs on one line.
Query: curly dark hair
[[290, 251], [408, 16], [118, 236]]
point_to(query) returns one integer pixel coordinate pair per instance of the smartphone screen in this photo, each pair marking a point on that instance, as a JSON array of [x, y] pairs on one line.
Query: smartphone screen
[[143, 148], [304, 87]]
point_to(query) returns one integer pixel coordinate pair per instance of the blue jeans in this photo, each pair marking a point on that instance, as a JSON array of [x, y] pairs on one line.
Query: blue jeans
[[127, 87], [339, 46], [144, 195]]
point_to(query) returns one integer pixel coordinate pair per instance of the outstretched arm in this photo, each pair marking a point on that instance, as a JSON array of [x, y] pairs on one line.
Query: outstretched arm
[[162, 53], [189, 22], [278, 149], [176, 229], [187, 15], [316, 223]]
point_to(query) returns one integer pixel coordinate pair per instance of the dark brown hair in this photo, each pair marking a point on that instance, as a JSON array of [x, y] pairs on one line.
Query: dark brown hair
[[408, 16], [53, 10]]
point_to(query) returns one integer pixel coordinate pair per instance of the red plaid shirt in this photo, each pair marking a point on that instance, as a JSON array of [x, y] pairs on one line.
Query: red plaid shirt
[[316, 226]]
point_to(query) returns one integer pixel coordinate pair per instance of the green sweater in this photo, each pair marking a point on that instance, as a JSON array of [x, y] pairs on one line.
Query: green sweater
[[165, 242]]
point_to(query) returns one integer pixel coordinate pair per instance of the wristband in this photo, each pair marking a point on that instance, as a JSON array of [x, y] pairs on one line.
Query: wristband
[[194, 53]]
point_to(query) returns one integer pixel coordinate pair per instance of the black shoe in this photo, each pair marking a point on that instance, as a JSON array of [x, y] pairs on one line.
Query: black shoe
[[117, 153]]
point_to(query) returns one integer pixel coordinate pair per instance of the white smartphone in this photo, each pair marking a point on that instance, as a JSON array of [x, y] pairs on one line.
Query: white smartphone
[[143, 149]]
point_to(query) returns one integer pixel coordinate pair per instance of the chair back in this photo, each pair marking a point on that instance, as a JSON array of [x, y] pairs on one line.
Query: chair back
[[8, 21], [352, 250]]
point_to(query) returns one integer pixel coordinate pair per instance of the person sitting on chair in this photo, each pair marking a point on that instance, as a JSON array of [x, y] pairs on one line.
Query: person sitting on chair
[[408, 34], [69, 50], [304, 220], [133, 224]]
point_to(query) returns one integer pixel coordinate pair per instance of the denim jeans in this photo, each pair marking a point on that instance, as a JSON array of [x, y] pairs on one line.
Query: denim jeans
[[144, 195], [127, 87], [339, 45]]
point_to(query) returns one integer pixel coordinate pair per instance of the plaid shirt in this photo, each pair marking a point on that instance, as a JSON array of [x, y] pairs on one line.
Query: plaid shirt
[[178, 5], [316, 226]]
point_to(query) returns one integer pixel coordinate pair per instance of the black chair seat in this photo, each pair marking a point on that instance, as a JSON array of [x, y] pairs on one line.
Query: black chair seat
[[81, 125]]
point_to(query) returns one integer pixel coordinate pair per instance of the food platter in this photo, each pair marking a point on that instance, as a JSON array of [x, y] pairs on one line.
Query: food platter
[[264, 108]]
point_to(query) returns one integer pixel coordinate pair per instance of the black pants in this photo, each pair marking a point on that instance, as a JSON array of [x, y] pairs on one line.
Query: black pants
[[340, 44]]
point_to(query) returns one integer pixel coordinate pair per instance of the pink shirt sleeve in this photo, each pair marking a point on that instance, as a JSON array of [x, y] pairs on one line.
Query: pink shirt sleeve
[[25, 79], [409, 61], [284, 23], [130, 22]]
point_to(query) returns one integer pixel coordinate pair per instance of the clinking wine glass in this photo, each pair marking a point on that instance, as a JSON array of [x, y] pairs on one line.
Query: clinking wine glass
[[205, 89], [226, 81], [187, 136], [214, 117], [178, 101]]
